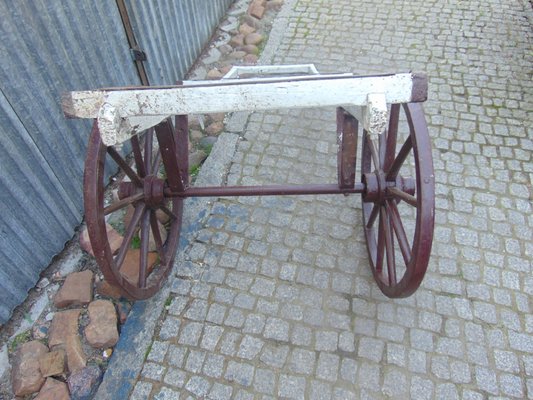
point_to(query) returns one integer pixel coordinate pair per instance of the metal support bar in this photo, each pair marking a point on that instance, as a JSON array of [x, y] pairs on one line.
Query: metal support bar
[[347, 154], [267, 190]]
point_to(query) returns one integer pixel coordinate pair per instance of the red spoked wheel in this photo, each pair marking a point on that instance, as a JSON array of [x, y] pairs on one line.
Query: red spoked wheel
[[399, 201], [151, 232]]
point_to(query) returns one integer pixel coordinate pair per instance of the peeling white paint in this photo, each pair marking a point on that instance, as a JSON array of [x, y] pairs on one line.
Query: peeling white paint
[[123, 112], [376, 115]]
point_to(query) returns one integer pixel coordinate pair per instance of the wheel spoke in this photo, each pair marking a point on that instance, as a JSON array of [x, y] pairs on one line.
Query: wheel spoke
[[399, 160], [373, 152], [380, 246], [382, 149], [123, 203], [389, 245], [401, 195], [182, 146], [148, 149], [145, 244], [392, 134], [373, 214], [168, 212], [157, 237], [128, 235], [156, 164], [366, 163], [403, 242], [137, 155], [124, 165]]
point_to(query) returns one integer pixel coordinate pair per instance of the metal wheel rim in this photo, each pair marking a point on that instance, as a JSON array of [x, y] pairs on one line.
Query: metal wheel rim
[[420, 247], [94, 188]]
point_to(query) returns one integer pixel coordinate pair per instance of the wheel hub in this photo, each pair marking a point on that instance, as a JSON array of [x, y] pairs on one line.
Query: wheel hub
[[376, 186], [153, 191]]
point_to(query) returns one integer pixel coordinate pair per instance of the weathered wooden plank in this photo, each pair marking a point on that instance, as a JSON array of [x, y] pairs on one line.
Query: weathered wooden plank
[[113, 107]]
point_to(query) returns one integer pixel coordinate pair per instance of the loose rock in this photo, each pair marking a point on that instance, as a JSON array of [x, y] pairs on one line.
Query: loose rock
[[115, 240], [225, 48], [250, 49], [123, 310], [105, 289], [26, 375], [83, 383], [76, 358], [53, 390], [253, 38], [236, 55], [198, 74], [237, 40], [250, 59], [212, 57], [229, 26], [196, 158], [77, 290], [246, 29], [194, 121], [257, 9], [207, 142], [215, 128], [225, 69], [152, 246], [274, 4], [102, 330], [64, 335], [196, 135], [217, 117], [52, 363], [43, 283], [64, 324], [130, 266], [40, 330], [162, 216], [252, 21], [214, 74]]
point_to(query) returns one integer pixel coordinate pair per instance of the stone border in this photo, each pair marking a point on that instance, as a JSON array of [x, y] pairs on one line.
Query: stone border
[[277, 31]]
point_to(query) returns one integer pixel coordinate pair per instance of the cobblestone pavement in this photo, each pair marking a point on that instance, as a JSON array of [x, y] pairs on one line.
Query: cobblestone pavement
[[277, 299]]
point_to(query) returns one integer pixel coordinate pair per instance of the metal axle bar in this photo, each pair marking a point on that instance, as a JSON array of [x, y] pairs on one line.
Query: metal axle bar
[[267, 190]]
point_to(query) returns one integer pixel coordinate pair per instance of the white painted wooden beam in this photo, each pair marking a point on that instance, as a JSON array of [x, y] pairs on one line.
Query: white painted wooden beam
[[117, 108]]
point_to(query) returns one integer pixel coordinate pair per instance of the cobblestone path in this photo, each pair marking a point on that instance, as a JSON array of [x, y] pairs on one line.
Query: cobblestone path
[[277, 299]]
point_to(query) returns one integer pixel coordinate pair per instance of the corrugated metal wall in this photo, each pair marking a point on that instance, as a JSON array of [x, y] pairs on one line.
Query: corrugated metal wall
[[172, 33], [48, 47]]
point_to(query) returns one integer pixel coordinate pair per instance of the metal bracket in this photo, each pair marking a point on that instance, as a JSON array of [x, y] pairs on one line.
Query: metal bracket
[[138, 55]]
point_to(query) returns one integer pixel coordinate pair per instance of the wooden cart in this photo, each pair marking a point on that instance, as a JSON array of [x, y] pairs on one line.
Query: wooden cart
[[396, 182]]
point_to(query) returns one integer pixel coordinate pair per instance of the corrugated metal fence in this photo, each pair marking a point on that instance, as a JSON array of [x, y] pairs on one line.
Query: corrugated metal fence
[[161, 30], [48, 47]]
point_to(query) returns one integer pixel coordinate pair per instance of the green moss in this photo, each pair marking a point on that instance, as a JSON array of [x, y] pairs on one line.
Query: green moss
[[21, 338], [148, 351], [194, 170], [136, 242]]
